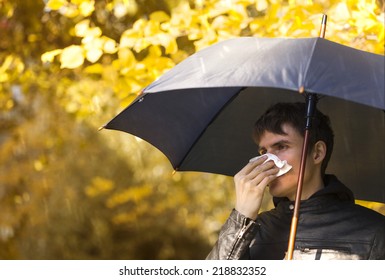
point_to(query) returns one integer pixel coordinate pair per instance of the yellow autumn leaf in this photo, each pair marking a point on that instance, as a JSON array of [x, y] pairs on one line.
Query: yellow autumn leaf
[[56, 4], [96, 68], [109, 45], [86, 8], [151, 28], [3, 77], [154, 51], [92, 43], [377, 206], [128, 38], [167, 41], [141, 44], [159, 16], [181, 18], [131, 92], [69, 11], [132, 86], [93, 54], [93, 48], [82, 27], [50, 56], [179, 56], [94, 32], [126, 58], [381, 34], [140, 24], [72, 57], [261, 5], [77, 2], [11, 65], [340, 12], [7, 63], [172, 46]]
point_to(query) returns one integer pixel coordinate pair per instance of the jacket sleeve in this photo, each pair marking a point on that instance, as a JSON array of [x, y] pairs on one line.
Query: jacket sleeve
[[234, 238], [378, 248]]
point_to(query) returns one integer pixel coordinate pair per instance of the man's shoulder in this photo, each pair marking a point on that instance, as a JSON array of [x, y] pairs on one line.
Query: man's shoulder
[[367, 213]]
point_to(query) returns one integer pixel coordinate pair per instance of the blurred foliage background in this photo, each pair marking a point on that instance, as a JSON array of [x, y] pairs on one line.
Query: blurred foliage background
[[68, 191]]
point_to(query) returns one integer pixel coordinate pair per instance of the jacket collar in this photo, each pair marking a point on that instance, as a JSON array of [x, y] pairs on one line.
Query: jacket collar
[[333, 190]]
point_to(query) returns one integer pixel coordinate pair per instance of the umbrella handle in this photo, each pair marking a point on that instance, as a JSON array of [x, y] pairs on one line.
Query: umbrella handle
[[311, 101]]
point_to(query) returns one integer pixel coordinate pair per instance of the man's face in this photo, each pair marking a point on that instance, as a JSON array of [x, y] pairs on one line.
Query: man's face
[[287, 147]]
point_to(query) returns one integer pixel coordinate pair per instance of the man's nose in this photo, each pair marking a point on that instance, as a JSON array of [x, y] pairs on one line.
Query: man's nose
[[271, 151]]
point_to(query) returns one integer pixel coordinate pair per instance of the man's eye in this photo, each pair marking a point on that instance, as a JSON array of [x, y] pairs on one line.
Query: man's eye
[[262, 151], [282, 147]]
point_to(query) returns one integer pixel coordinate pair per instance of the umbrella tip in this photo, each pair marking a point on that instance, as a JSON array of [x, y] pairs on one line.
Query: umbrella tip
[[102, 127], [301, 90], [323, 26]]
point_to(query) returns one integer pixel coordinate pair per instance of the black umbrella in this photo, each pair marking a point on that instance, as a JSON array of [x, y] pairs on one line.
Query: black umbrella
[[200, 114]]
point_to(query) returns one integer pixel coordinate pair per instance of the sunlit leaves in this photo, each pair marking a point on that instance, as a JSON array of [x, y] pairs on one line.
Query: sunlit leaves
[[86, 7], [380, 207], [132, 195], [121, 8], [159, 16], [156, 64], [261, 5], [72, 8], [148, 32], [126, 60], [10, 67], [94, 44], [48, 57], [94, 49], [354, 23], [82, 28], [72, 57], [85, 98], [109, 45], [56, 4], [73, 192], [99, 186]]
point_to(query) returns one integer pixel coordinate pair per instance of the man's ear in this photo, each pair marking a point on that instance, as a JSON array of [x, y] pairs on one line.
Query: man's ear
[[319, 152]]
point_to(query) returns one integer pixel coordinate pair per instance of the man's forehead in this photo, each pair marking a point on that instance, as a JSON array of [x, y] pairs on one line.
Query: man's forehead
[[269, 138], [290, 135]]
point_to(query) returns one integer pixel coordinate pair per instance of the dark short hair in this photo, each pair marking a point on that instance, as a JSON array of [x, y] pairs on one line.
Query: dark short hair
[[294, 114]]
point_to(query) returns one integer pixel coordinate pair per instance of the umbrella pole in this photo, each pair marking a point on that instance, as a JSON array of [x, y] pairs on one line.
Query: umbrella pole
[[311, 101]]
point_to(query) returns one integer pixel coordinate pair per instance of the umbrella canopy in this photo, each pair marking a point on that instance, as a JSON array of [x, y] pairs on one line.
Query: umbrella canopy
[[200, 114]]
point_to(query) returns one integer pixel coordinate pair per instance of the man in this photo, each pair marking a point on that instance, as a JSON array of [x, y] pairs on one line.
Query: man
[[330, 225]]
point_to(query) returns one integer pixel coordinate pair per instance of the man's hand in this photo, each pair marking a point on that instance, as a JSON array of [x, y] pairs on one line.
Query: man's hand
[[250, 184]]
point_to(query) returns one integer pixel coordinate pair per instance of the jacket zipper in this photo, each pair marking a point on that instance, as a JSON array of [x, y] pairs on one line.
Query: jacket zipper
[[336, 248], [246, 224]]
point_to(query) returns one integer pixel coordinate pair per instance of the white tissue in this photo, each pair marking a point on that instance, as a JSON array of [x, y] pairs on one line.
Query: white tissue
[[283, 166]]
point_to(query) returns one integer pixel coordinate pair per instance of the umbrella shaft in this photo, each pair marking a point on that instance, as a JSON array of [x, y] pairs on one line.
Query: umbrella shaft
[[294, 222], [293, 230], [311, 101]]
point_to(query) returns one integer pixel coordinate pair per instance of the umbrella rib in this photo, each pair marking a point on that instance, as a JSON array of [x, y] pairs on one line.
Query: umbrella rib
[[308, 64], [203, 131]]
